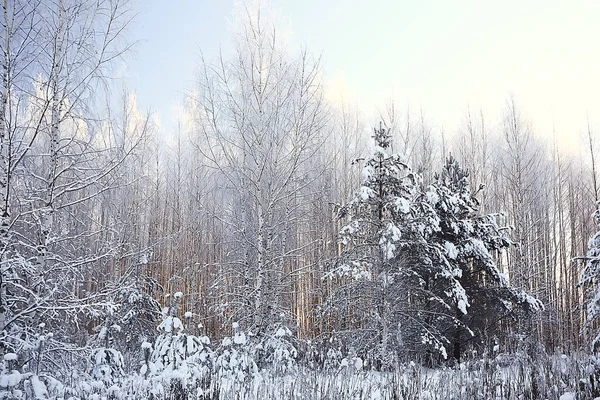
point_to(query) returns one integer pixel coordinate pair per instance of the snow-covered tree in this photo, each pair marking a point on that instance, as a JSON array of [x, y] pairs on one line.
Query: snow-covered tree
[[53, 172], [115, 350], [182, 363], [107, 365], [235, 364], [277, 351], [591, 281], [261, 119], [418, 260], [378, 243], [466, 275], [132, 320]]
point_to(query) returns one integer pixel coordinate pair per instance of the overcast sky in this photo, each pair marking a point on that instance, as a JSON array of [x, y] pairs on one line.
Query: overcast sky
[[438, 56]]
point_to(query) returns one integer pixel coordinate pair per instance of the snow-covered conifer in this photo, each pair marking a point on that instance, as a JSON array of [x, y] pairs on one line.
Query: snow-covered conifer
[[465, 276], [277, 351], [107, 365], [180, 361], [418, 260], [236, 363], [377, 240]]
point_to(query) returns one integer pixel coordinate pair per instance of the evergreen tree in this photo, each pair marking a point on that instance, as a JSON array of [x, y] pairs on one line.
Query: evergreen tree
[[468, 276], [182, 363], [383, 242], [236, 366], [422, 274]]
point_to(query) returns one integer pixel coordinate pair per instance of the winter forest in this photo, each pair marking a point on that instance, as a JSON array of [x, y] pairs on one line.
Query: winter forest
[[278, 245]]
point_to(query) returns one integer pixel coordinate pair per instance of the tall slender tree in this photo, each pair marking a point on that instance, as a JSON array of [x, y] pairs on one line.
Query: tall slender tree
[[261, 123], [591, 281]]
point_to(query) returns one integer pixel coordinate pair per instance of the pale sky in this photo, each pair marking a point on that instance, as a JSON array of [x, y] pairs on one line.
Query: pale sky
[[439, 56]]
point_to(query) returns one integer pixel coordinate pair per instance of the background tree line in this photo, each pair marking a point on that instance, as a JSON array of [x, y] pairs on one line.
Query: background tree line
[[101, 216], [261, 161]]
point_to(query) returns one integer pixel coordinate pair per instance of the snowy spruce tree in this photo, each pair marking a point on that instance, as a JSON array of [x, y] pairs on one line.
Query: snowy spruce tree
[[418, 263], [236, 365], [179, 364], [278, 351], [134, 315], [379, 248], [466, 275]]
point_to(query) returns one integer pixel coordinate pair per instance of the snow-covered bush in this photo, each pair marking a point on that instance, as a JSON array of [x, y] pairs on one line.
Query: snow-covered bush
[[352, 363], [10, 378], [333, 359], [181, 362], [278, 352], [236, 363], [107, 365]]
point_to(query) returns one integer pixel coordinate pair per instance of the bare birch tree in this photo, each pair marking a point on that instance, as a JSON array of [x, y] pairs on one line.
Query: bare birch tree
[[261, 124]]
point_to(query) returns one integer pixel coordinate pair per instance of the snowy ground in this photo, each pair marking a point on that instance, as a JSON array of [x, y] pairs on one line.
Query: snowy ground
[[555, 377]]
